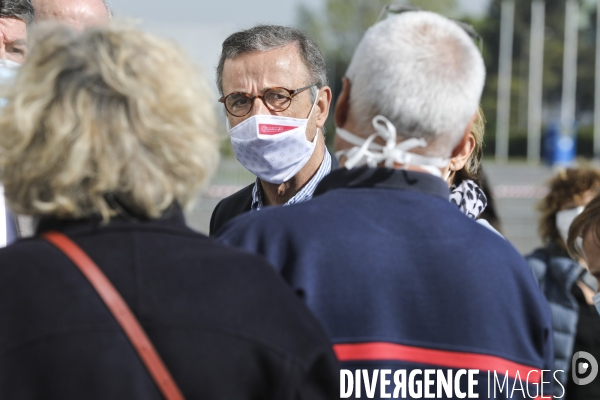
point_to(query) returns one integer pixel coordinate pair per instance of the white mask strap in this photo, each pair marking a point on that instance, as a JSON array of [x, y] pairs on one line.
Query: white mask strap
[[448, 174], [372, 154], [314, 104]]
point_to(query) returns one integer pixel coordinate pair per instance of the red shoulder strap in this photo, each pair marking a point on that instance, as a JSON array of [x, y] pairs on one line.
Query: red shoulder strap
[[121, 312]]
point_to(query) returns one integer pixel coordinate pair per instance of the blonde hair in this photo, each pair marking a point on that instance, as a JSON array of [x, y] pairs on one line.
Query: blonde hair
[[111, 113], [472, 168], [473, 165]]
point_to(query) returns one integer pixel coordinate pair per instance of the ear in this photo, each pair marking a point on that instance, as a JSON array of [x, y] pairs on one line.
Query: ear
[[322, 106], [462, 152], [343, 104]]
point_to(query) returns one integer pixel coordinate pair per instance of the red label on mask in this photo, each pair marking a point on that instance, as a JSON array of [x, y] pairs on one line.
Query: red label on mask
[[267, 129]]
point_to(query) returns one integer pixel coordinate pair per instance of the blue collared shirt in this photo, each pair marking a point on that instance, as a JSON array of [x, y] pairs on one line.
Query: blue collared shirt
[[306, 193]]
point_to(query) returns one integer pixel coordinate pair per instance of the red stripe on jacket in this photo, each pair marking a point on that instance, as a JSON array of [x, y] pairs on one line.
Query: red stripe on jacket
[[379, 351]]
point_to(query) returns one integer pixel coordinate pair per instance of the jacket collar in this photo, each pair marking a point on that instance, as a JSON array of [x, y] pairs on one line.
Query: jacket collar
[[172, 218], [384, 178]]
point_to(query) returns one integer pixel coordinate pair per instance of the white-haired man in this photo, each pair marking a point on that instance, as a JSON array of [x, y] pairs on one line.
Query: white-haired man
[[422, 299]]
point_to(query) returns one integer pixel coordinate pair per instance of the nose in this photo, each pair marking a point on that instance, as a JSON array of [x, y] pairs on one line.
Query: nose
[[258, 108]]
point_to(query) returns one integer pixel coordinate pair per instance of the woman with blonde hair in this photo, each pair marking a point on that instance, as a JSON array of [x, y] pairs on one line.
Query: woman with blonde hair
[[468, 185], [106, 135]]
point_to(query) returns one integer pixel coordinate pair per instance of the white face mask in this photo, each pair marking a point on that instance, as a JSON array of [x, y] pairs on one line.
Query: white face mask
[[8, 71], [564, 219], [272, 147], [372, 154]]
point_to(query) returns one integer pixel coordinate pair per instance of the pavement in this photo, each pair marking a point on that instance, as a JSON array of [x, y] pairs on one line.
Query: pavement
[[517, 187]]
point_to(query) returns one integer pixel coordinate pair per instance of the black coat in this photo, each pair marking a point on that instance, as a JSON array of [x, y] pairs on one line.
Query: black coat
[[226, 326], [239, 203], [230, 207]]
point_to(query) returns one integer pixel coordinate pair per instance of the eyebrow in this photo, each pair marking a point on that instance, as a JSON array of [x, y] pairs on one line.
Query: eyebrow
[[17, 42]]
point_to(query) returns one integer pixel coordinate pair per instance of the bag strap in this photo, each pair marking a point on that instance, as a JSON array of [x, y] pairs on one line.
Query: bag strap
[[117, 306]]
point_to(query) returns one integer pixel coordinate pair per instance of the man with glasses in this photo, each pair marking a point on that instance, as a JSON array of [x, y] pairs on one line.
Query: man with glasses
[[274, 90], [414, 294]]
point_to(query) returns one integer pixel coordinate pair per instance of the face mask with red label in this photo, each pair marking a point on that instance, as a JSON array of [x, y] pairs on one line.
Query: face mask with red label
[[272, 147]]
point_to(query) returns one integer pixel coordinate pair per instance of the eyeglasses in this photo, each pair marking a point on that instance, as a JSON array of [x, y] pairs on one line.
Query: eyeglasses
[[276, 99], [399, 8]]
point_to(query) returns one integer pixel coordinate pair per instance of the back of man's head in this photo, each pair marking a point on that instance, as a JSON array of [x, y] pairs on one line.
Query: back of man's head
[[422, 72], [76, 13]]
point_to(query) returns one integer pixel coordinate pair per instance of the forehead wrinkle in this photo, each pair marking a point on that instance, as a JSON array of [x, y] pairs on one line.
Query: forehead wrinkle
[[260, 70], [13, 30]]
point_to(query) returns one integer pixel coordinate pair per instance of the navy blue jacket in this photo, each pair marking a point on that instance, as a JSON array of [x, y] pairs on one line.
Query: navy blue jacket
[[401, 279], [226, 326]]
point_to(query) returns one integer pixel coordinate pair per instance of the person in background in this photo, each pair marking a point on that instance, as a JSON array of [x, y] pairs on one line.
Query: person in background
[[465, 172], [106, 135], [15, 17], [468, 185], [75, 13], [398, 276], [566, 283], [273, 80], [584, 240]]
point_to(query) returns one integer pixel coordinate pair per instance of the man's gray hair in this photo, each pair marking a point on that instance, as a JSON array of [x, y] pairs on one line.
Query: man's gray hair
[[269, 37], [423, 73], [19, 9]]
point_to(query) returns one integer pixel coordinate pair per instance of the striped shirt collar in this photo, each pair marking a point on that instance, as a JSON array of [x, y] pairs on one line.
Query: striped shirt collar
[[306, 193]]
